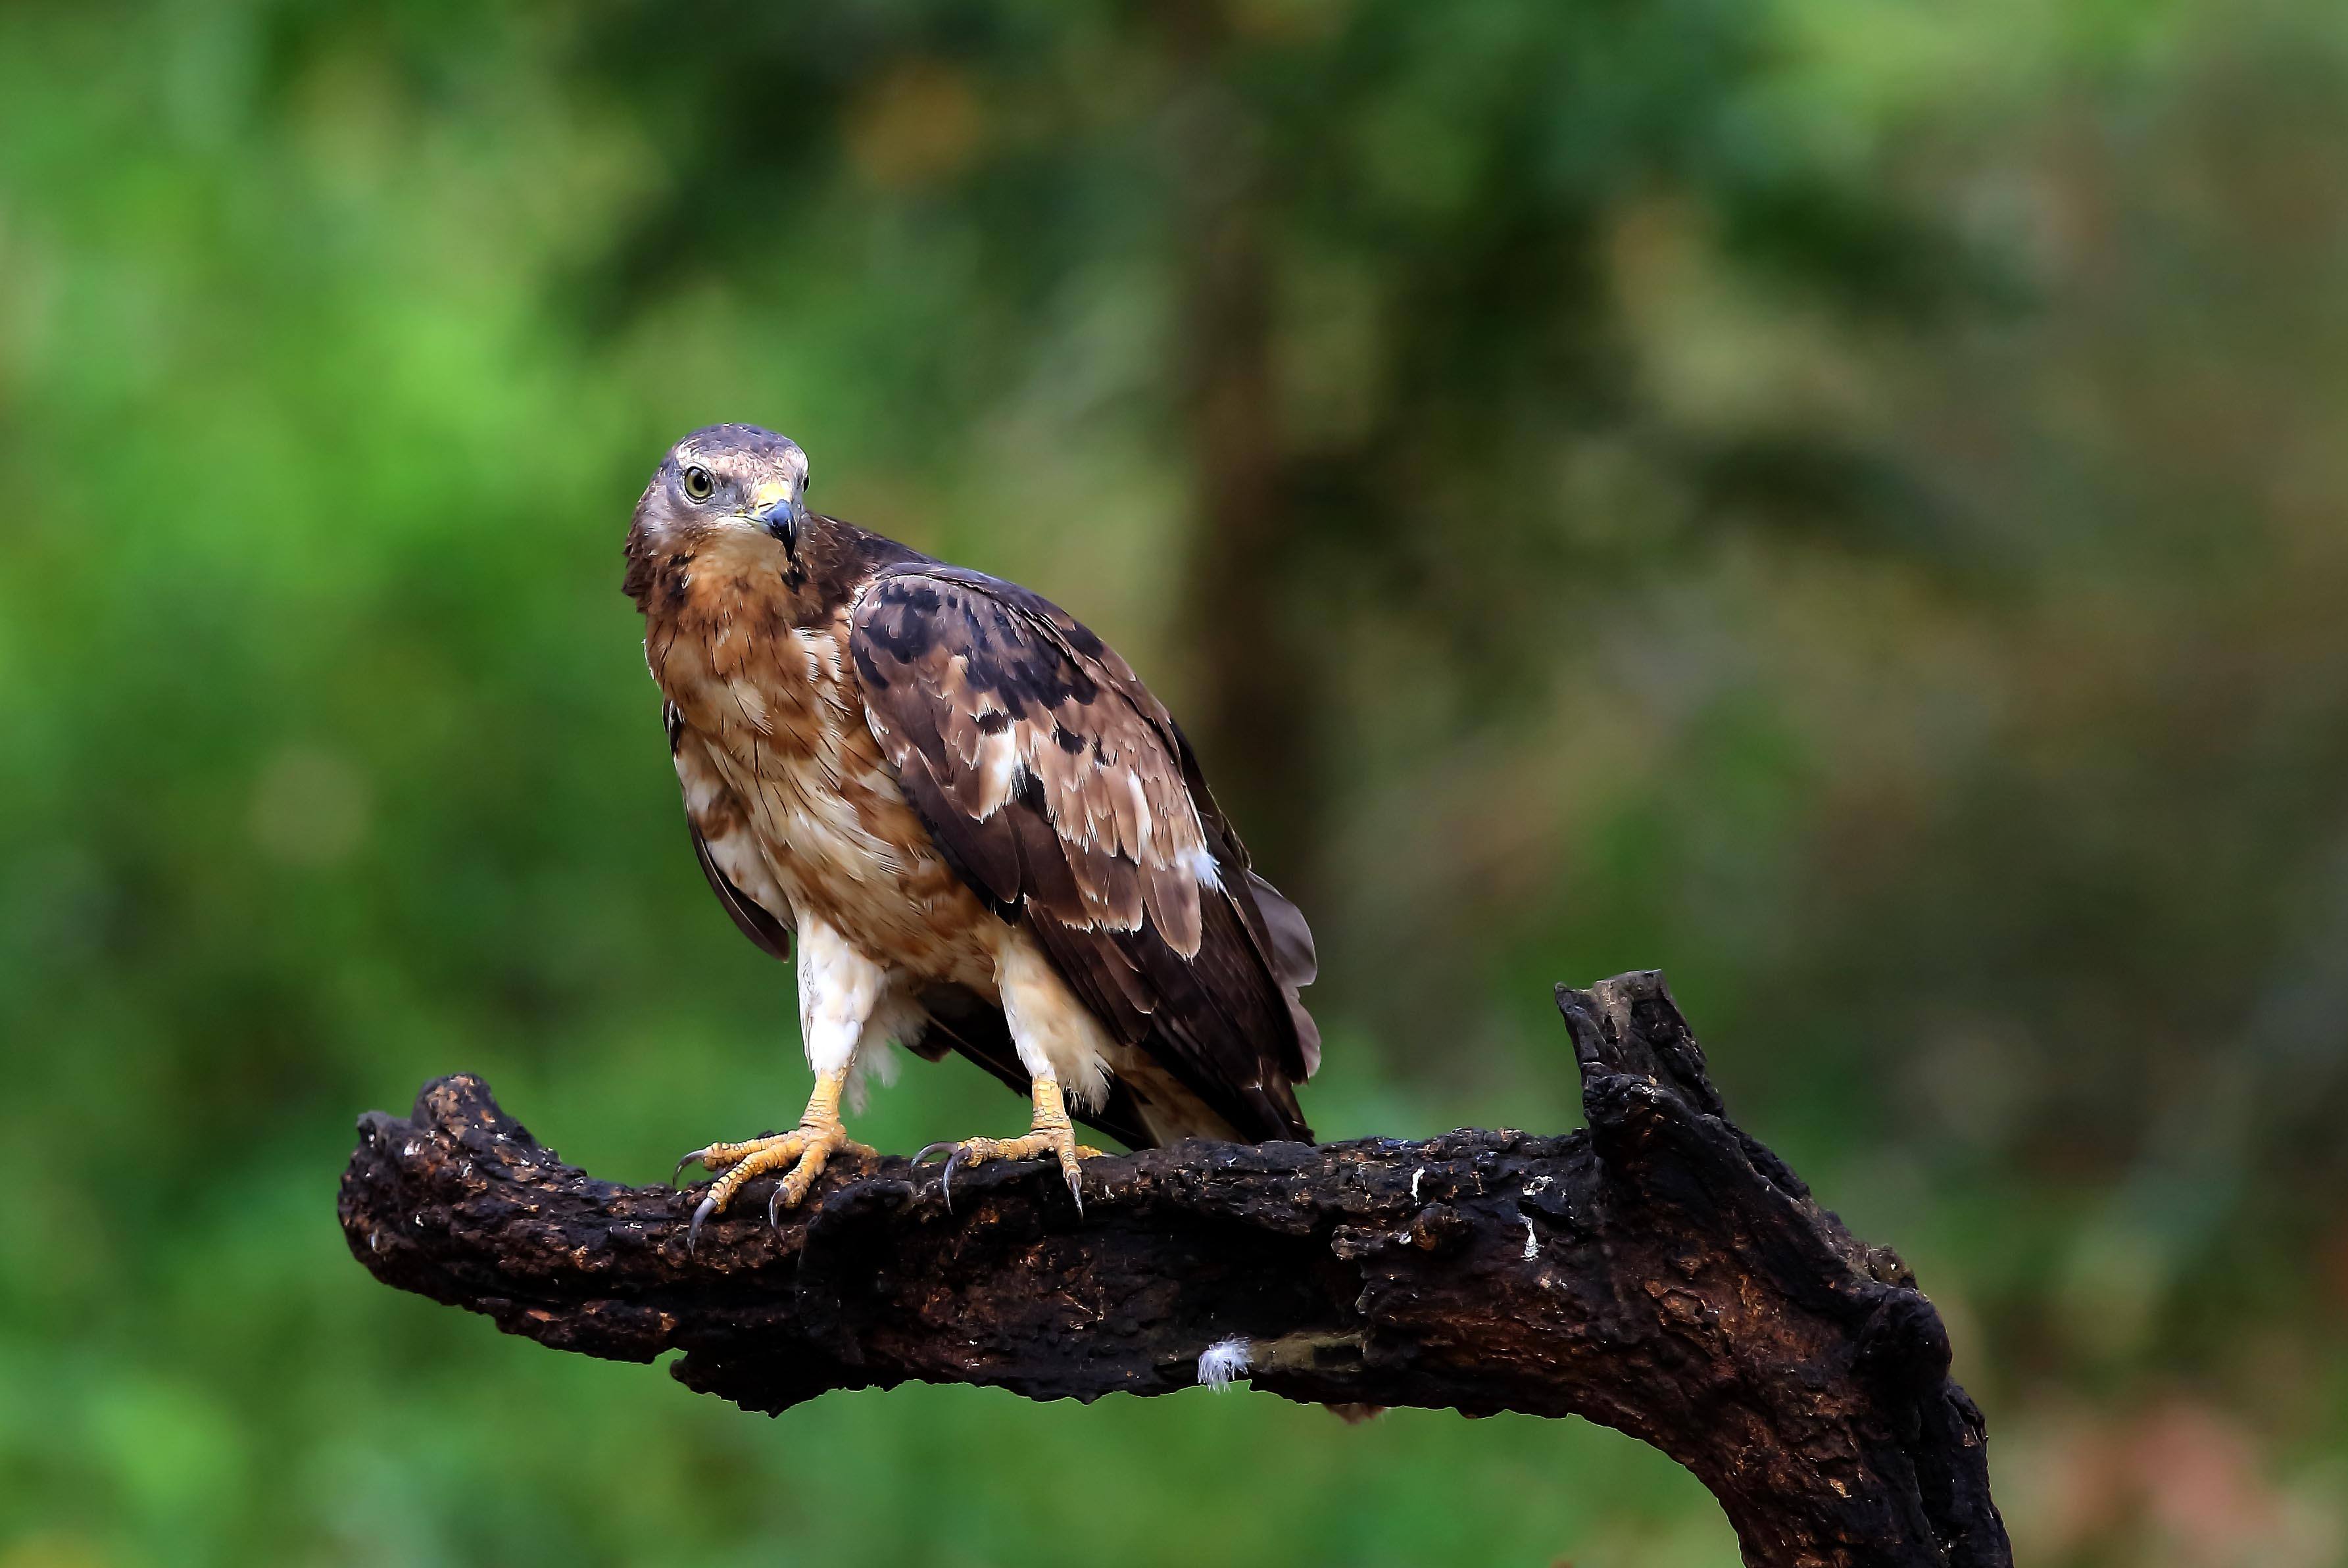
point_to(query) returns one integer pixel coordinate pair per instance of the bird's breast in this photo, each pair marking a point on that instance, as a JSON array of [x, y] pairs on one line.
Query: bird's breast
[[779, 714]]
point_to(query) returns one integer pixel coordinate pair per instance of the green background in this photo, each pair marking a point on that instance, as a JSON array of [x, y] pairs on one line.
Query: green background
[[1845, 501]]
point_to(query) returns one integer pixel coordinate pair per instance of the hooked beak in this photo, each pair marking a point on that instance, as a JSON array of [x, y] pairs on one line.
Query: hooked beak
[[782, 520]]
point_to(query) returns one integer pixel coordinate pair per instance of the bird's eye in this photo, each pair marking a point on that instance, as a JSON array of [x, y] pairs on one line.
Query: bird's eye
[[698, 485]]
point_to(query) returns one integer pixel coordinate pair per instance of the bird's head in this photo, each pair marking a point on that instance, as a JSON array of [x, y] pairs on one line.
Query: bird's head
[[728, 482]]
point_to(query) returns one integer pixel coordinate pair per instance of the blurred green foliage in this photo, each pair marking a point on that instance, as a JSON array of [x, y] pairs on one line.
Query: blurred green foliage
[[1843, 500]]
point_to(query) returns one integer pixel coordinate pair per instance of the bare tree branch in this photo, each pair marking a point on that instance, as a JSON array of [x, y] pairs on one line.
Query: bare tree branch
[[1662, 1274]]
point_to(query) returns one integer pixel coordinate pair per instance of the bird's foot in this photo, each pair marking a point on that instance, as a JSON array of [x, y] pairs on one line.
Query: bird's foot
[[1050, 1135], [806, 1149]]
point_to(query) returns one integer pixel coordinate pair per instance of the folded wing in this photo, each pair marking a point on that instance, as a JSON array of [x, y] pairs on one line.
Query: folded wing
[[1066, 797]]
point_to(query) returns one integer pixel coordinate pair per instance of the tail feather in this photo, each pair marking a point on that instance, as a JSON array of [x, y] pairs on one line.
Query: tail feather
[[1295, 963]]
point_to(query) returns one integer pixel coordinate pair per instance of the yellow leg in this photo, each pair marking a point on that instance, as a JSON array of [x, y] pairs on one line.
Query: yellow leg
[[806, 1149], [1050, 1133]]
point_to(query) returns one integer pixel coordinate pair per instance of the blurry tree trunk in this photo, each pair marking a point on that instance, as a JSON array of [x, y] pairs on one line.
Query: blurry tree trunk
[[1249, 717]]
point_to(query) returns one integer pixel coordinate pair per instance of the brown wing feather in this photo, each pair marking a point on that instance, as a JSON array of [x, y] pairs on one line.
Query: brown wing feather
[[1065, 795], [750, 917], [720, 829]]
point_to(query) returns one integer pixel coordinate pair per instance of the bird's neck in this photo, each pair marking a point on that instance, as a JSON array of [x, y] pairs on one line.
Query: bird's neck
[[722, 573]]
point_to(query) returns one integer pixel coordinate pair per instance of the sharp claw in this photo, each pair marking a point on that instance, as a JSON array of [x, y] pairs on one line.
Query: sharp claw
[[1077, 1190], [775, 1208], [931, 1148], [954, 1163], [693, 1232]]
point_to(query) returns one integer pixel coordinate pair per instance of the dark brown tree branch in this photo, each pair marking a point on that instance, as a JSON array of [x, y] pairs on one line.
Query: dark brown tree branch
[[1662, 1274]]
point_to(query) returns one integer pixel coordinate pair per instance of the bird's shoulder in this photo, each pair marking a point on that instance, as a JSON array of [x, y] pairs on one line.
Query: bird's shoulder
[[917, 615]]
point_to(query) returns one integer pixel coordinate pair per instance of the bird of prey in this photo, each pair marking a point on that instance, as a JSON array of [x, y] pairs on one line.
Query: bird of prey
[[984, 832]]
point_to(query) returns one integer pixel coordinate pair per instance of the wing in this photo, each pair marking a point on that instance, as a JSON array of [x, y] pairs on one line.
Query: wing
[[723, 843], [1065, 795]]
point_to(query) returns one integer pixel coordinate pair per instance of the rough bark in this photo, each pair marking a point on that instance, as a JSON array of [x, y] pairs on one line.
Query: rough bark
[[1662, 1274]]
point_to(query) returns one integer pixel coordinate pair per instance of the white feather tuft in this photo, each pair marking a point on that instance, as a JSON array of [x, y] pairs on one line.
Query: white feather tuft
[[875, 1063], [1222, 1361]]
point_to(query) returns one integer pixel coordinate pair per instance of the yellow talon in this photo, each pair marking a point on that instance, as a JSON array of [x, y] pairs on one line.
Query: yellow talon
[[807, 1150], [1051, 1133]]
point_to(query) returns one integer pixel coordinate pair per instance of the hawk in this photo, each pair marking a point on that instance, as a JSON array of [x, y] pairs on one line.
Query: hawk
[[980, 829]]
